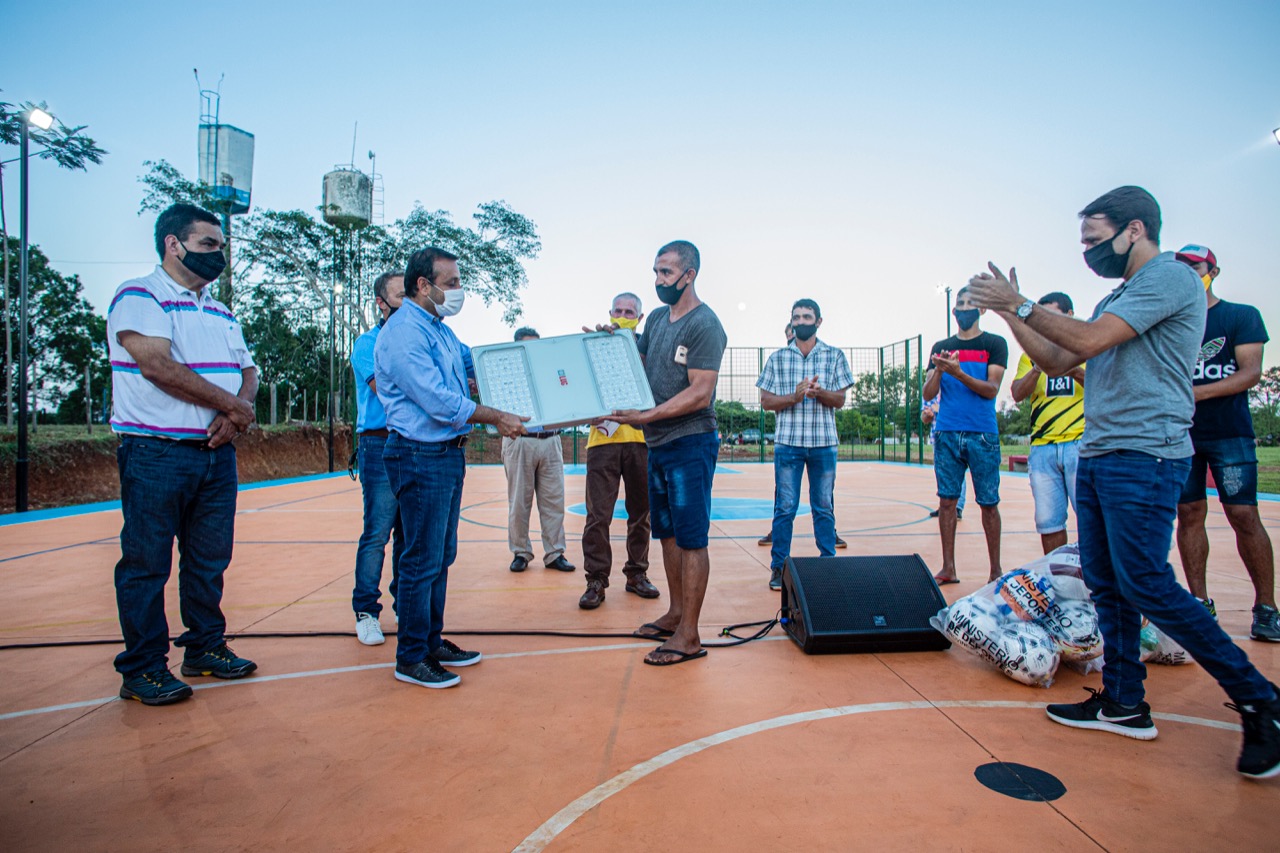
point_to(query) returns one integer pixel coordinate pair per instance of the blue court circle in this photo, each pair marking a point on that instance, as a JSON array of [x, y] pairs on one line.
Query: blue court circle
[[722, 509]]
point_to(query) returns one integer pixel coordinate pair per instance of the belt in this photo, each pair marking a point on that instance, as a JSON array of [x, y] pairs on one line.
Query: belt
[[456, 441], [552, 434], [377, 433], [197, 443]]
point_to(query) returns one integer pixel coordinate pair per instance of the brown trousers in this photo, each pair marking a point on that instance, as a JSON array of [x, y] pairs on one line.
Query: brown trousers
[[607, 464]]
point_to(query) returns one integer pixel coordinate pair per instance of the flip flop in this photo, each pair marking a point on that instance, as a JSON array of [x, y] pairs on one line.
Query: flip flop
[[681, 656], [658, 633], [945, 581]]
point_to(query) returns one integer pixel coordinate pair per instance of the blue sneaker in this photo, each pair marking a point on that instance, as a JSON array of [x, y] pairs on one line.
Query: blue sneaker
[[220, 662], [157, 687]]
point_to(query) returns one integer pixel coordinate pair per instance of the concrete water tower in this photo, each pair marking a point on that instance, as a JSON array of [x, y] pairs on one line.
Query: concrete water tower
[[348, 198]]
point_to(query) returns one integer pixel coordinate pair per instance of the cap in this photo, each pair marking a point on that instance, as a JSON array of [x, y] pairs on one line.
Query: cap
[[1193, 254]]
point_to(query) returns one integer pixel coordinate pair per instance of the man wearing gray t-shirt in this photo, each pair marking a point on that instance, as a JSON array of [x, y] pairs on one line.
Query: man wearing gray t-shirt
[[682, 345], [1141, 346]]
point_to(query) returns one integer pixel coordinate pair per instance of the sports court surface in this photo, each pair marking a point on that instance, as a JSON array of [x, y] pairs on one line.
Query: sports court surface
[[571, 744]]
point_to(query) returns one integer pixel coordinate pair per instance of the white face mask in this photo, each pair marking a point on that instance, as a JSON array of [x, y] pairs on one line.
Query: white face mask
[[453, 300]]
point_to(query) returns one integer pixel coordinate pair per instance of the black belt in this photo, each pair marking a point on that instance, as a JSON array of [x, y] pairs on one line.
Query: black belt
[[377, 433], [197, 443], [457, 441], [552, 434]]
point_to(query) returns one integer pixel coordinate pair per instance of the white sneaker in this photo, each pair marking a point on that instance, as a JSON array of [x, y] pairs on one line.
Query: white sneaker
[[368, 631]]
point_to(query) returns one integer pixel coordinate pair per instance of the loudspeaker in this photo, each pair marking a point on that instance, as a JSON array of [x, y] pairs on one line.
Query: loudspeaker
[[861, 604]]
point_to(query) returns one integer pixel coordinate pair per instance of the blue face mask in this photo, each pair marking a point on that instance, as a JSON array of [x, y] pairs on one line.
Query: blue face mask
[[966, 318]]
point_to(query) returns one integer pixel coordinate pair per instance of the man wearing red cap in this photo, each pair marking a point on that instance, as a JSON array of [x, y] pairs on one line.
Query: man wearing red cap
[[1230, 363]]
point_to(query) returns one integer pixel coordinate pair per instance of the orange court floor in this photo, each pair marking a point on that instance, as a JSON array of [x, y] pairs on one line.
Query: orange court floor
[[571, 744]]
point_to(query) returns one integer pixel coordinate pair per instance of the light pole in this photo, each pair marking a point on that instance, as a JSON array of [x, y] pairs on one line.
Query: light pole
[[44, 121], [333, 296], [1276, 134], [946, 288]]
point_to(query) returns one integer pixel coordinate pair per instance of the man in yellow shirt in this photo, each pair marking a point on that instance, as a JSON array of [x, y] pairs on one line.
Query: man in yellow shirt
[[1057, 425], [617, 452]]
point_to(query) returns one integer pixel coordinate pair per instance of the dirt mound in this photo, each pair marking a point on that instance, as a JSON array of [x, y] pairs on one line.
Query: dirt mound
[[75, 471]]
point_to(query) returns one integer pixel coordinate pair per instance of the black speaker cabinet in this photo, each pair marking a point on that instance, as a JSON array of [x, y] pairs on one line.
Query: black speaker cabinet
[[861, 604]]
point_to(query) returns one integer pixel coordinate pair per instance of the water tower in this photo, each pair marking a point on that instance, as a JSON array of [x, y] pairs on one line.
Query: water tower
[[225, 159], [348, 198]]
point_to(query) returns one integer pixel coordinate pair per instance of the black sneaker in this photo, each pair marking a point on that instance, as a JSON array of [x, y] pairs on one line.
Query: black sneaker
[[1260, 756], [158, 687], [220, 662], [766, 539], [450, 655], [426, 673], [775, 579], [840, 543], [1101, 713], [1266, 624]]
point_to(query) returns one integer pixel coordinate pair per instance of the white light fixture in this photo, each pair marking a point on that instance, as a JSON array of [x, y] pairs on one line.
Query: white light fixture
[[37, 117]]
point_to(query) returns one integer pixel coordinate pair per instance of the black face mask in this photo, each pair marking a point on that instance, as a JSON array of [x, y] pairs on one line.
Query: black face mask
[[670, 293], [966, 318], [804, 331], [1104, 260], [205, 266]]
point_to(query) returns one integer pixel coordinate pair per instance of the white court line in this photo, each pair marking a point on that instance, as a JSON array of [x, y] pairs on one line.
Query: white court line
[[563, 819], [259, 679]]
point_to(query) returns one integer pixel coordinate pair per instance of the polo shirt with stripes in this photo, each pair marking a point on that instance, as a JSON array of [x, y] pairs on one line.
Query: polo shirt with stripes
[[203, 335]]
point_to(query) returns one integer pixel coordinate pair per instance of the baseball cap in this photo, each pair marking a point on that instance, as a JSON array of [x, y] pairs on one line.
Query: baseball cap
[[1193, 254]]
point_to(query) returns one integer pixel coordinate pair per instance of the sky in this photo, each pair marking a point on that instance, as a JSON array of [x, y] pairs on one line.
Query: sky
[[860, 154]]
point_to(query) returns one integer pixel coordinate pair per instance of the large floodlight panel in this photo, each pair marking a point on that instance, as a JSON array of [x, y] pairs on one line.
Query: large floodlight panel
[[563, 381]]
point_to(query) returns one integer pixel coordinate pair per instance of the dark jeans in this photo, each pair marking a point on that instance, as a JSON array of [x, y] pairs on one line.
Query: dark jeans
[[427, 480], [789, 465], [1127, 502], [607, 465], [381, 517], [168, 490]]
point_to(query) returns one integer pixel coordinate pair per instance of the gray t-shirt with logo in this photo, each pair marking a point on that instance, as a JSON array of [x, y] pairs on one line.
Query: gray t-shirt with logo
[[1138, 395], [694, 342]]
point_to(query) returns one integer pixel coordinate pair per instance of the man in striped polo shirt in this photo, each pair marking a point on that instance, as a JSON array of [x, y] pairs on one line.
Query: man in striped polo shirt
[[1057, 425], [183, 383], [804, 382]]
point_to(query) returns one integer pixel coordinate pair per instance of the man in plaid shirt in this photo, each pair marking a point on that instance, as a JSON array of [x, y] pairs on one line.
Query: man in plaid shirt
[[804, 383]]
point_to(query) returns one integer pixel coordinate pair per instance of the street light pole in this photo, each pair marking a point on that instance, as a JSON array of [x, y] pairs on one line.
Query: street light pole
[[946, 288], [20, 466], [333, 294]]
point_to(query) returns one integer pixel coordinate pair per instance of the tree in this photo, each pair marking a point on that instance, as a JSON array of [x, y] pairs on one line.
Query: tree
[[1266, 407], [69, 148], [65, 335]]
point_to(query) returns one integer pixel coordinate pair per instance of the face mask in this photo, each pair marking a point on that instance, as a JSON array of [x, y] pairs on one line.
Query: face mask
[[804, 331], [205, 266], [624, 323], [1105, 261], [670, 293], [453, 300], [966, 318], [1207, 281]]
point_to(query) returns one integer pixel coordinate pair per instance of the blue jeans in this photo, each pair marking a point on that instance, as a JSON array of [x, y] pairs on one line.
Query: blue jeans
[[1127, 502], [427, 480], [1234, 462], [167, 490], [680, 475], [381, 517], [789, 464], [979, 452], [1051, 468]]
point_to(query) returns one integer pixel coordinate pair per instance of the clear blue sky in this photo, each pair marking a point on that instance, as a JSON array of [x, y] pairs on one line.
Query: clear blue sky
[[856, 153]]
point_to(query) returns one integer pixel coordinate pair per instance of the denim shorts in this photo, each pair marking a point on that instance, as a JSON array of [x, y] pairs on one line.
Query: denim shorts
[[1052, 471], [1234, 462], [979, 452], [680, 474]]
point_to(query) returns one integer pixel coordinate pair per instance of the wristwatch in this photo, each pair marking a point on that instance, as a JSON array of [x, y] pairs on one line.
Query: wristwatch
[[1024, 310]]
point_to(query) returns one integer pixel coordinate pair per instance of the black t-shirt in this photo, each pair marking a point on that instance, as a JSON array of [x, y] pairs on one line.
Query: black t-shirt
[[1227, 326]]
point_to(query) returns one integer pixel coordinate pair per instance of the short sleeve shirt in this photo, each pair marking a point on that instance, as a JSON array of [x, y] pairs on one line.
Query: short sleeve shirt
[[369, 411], [1227, 326], [203, 335], [807, 423], [694, 342], [1140, 395], [962, 410], [1057, 407]]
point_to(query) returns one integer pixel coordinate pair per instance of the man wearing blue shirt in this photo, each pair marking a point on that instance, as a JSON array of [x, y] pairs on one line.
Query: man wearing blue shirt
[[422, 385], [381, 514]]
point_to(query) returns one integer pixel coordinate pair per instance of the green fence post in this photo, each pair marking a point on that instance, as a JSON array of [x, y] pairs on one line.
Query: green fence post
[[881, 404], [760, 369]]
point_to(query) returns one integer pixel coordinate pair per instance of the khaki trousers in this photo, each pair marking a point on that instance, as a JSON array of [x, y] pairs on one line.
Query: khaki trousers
[[535, 466]]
